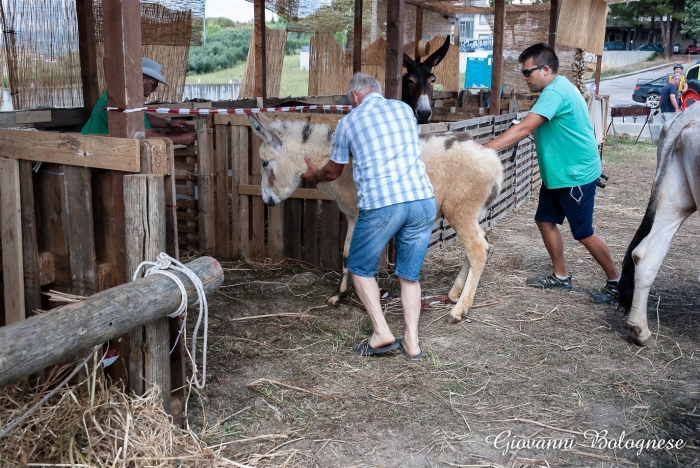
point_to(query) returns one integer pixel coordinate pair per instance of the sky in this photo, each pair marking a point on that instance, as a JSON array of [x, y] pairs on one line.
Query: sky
[[236, 10]]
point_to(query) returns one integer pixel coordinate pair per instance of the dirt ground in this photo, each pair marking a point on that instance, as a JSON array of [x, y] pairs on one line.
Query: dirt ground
[[530, 378]]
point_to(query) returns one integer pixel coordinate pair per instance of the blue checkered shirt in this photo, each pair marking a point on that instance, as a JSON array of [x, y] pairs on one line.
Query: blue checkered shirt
[[387, 167]]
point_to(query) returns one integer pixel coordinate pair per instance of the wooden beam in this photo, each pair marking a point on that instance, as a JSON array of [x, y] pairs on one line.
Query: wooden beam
[[553, 19], [104, 316], [88, 55], [497, 68], [12, 257], [206, 199], [395, 13], [598, 67], [423, 4], [123, 71], [72, 149], [419, 32], [260, 49], [357, 39]]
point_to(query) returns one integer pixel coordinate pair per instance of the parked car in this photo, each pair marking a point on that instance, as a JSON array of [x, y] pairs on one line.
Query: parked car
[[651, 47], [649, 92], [692, 49], [676, 48], [614, 45]]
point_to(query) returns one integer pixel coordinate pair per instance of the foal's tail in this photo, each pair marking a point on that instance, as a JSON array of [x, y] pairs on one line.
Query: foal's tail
[[667, 141]]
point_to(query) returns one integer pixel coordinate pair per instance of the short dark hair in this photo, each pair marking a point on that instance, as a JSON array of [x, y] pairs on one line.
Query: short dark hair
[[541, 54]]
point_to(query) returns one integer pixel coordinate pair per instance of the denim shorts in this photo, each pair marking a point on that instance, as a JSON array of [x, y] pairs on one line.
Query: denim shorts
[[410, 222], [574, 203]]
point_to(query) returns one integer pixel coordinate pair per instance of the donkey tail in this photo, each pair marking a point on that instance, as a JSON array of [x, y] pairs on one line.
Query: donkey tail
[[667, 141]]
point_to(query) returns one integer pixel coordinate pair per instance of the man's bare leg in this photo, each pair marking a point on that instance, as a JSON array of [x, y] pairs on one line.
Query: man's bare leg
[[410, 302], [368, 291], [555, 246]]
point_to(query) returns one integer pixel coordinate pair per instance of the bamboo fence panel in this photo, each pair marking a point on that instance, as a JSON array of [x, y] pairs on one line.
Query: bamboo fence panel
[[276, 42]]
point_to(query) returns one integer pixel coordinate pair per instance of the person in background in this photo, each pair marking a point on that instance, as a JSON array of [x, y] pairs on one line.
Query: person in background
[[678, 69], [152, 71], [567, 154], [395, 198], [669, 99]]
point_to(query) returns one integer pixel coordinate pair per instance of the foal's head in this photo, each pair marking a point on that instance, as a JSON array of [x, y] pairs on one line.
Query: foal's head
[[417, 90], [282, 154]]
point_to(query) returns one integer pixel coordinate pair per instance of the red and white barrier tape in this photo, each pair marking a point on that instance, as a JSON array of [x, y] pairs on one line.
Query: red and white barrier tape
[[167, 110]]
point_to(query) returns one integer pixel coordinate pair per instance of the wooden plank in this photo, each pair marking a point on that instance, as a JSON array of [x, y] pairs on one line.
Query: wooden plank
[[330, 219], [206, 205], [395, 12], [12, 258], [68, 117], [239, 207], [79, 230], [71, 148], [260, 49], [171, 203], [149, 362], [104, 316], [256, 247], [222, 193], [9, 119], [303, 193], [497, 67], [154, 156], [275, 232], [310, 252], [32, 283], [293, 228]]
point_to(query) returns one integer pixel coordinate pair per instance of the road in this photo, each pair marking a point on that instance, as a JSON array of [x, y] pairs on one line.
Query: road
[[620, 89]]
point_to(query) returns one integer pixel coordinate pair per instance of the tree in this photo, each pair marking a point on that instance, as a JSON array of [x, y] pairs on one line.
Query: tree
[[691, 23], [669, 12]]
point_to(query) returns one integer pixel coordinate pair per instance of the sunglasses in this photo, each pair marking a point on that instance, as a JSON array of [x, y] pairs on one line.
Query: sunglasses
[[155, 83], [528, 72]]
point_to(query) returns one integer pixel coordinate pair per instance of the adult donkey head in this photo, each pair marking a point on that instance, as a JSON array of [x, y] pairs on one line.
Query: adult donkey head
[[417, 90]]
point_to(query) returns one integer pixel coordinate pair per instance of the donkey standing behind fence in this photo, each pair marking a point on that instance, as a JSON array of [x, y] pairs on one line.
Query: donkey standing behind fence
[[466, 179], [675, 195]]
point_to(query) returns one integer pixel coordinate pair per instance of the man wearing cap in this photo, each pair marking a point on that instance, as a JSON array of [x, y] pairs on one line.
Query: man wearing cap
[[152, 75]]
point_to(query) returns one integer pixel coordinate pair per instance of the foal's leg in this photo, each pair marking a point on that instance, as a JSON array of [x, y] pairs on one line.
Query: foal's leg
[[472, 237], [458, 285], [674, 206], [345, 281]]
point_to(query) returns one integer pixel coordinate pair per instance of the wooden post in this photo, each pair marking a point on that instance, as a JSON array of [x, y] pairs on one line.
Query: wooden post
[[598, 66], [553, 19], [149, 362], [88, 55], [419, 32], [102, 317], [395, 12], [12, 259], [260, 50], [357, 39], [497, 68], [222, 201], [206, 203]]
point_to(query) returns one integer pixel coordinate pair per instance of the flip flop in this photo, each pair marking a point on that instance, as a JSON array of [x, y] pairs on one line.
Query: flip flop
[[415, 357], [364, 349]]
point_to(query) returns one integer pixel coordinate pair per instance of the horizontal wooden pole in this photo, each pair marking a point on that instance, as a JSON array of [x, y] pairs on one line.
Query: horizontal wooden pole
[[67, 330], [74, 149], [307, 194], [235, 119]]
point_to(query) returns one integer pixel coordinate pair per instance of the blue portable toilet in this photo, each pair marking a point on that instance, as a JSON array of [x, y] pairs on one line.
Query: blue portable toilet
[[478, 72]]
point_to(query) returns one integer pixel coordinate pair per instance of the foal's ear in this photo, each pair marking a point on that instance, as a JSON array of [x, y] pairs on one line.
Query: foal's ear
[[436, 57], [408, 62], [261, 126]]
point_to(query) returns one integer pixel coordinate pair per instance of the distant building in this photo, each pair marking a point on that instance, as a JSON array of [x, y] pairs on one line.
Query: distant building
[[474, 30]]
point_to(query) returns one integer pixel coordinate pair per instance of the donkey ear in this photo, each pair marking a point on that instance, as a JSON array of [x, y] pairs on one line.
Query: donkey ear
[[408, 62], [436, 57], [261, 126]]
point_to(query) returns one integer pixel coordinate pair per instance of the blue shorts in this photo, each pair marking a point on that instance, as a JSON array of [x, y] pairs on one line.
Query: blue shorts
[[574, 203], [410, 222]]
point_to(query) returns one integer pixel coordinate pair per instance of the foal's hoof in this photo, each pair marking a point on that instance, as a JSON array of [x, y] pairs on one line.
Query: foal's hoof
[[452, 320], [333, 301]]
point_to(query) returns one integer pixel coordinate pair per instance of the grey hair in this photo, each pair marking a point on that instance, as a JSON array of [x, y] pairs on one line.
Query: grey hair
[[361, 82], [676, 76]]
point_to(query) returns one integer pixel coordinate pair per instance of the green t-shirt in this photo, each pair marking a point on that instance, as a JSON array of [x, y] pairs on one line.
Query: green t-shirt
[[97, 124], [566, 147]]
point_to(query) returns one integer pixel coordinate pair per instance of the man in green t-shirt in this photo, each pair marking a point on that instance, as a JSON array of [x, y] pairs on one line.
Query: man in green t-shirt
[[569, 165], [152, 75]]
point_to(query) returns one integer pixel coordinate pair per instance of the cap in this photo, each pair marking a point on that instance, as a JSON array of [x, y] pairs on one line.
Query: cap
[[153, 69]]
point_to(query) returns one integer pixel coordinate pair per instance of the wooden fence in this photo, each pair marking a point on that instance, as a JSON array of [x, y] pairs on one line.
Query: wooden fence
[[226, 216]]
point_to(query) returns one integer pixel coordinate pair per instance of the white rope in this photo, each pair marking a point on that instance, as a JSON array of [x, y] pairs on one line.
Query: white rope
[[163, 263]]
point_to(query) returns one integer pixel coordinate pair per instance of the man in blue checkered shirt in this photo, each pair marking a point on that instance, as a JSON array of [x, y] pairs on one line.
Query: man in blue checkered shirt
[[395, 199]]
